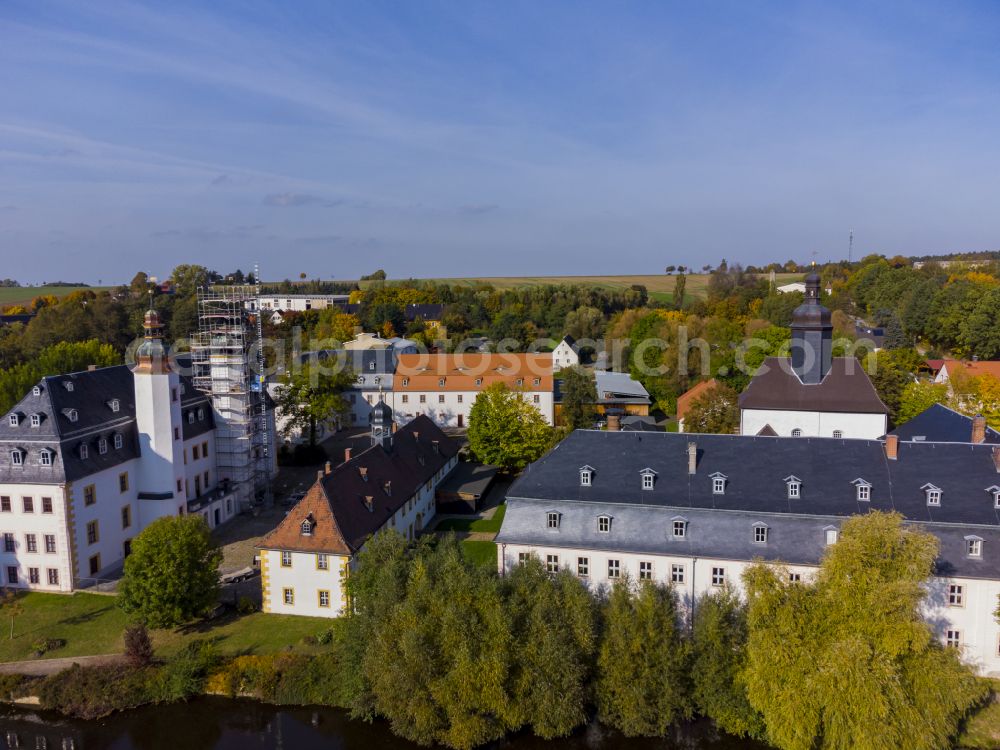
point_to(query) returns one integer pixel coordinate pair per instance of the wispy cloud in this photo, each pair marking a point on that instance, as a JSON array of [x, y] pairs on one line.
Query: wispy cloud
[[286, 200], [230, 180]]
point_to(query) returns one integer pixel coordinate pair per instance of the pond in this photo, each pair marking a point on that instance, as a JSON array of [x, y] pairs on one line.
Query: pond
[[223, 724]]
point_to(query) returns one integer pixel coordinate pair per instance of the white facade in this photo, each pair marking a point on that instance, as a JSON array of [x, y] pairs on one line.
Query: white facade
[[795, 286], [300, 302], [564, 355], [451, 408], [966, 611], [814, 423]]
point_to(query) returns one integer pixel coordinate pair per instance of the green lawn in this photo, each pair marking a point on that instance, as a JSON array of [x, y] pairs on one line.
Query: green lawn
[[982, 731], [15, 295], [481, 553], [484, 525], [93, 624]]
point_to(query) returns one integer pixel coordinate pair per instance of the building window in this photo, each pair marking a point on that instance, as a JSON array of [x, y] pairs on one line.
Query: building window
[[288, 596], [324, 599], [423, 398], [718, 486], [583, 566], [604, 524], [647, 481], [31, 542], [676, 573], [974, 547], [405, 398], [956, 597], [552, 563], [9, 545], [718, 576], [93, 533], [5, 504], [45, 457], [123, 482], [614, 569], [523, 557], [460, 399], [115, 405], [195, 453], [28, 504], [50, 544], [17, 457], [36, 420], [680, 529], [119, 442], [536, 399], [33, 576], [796, 432], [13, 420], [794, 577], [838, 434], [552, 520], [46, 505], [645, 571], [84, 451], [12, 575], [953, 638], [94, 564], [864, 492], [996, 498], [831, 536], [760, 534], [53, 575], [441, 398], [586, 476], [102, 446], [126, 516], [794, 485], [36, 391], [322, 562], [933, 496], [286, 559], [89, 495], [479, 381]]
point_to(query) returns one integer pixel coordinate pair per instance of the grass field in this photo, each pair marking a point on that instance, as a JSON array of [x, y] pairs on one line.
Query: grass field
[[485, 525], [481, 553], [24, 295], [93, 624]]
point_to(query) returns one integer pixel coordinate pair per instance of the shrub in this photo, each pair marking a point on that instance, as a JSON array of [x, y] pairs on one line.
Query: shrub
[[325, 638], [138, 646], [184, 674], [94, 692], [16, 685], [246, 606], [43, 645]]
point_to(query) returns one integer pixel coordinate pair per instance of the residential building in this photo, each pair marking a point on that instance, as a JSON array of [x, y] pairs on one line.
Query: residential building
[[298, 302], [951, 368], [362, 341], [305, 560], [619, 393], [812, 393], [694, 512], [89, 459], [566, 353], [794, 286], [941, 424], [689, 396], [445, 386]]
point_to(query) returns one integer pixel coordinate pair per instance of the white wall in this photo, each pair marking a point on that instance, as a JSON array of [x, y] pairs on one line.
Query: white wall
[[306, 581], [19, 523], [564, 356], [813, 423], [445, 407]]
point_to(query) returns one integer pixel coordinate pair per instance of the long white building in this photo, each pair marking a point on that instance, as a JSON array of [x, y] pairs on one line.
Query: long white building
[[695, 510], [89, 459]]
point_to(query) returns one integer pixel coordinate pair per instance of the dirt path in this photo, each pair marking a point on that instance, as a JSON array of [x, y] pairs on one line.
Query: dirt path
[[46, 667]]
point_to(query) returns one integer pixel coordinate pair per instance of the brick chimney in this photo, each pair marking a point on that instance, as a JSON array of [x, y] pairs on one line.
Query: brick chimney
[[91, 368], [692, 458], [979, 429], [319, 475], [614, 423], [328, 468], [347, 455], [892, 447], [996, 459]]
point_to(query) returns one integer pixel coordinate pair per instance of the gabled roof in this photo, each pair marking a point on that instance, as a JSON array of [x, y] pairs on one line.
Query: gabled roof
[[971, 369], [423, 372], [940, 424], [685, 400], [618, 387], [846, 388], [337, 501]]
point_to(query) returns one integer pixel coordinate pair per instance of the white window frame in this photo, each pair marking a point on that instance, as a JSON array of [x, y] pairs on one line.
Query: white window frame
[[552, 563], [645, 570], [13, 420], [679, 528], [718, 486], [974, 546], [84, 451], [956, 595], [614, 569], [604, 524], [933, 495], [583, 567], [17, 457], [552, 520], [718, 576], [118, 442], [586, 477], [830, 536], [676, 573], [797, 432], [45, 457], [953, 638], [102, 446], [648, 480], [760, 533], [838, 434], [36, 420]]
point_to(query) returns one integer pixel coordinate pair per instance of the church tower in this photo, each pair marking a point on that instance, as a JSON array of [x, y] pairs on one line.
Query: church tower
[[382, 424], [812, 336]]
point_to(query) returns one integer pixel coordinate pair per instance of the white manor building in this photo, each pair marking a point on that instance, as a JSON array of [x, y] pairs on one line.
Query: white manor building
[[812, 393], [694, 511], [391, 485], [89, 459]]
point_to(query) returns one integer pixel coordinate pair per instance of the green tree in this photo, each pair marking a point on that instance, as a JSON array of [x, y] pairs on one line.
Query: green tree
[[188, 279], [172, 574], [720, 639], [585, 323], [679, 287], [309, 396], [890, 376], [505, 430], [642, 662], [57, 359], [981, 330], [871, 682], [919, 396], [714, 411], [554, 632], [578, 398]]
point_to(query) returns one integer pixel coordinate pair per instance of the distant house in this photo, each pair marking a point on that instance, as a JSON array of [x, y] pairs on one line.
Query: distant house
[[970, 369], [305, 560], [940, 424], [875, 334], [566, 354], [795, 286], [299, 302], [373, 341], [619, 393], [687, 398]]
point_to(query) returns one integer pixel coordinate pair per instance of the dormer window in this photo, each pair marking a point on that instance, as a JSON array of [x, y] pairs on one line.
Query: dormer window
[[406, 381], [719, 483], [68, 385], [552, 520], [995, 491], [190, 417], [679, 527], [376, 380], [760, 533], [479, 381], [371, 366], [974, 546], [794, 485], [115, 405], [933, 494], [102, 446], [17, 457], [586, 476], [307, 526], [84, 450], [831, 535], [119, 441], [201, 414], [14, 420], [36, 420], [537, 381], [604, 524], [440, 382], [520, 382], [838, 434], [36, 391], [70, 414], [45, 457], [648, 478], [863, 489]]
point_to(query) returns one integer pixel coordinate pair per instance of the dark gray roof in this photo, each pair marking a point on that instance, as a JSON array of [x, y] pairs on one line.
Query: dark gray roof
[[756, 468], [87, 396], [360, 361], [940, 424], [846, 388], [640, 424]]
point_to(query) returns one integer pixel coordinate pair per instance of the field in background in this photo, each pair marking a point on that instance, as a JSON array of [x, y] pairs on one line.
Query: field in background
[[22, 295]]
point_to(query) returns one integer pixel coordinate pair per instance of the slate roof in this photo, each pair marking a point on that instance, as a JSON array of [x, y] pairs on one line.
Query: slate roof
[[91, 396], [618, 387], [846, 388], [337, 500], [360, 361], [755, 470], [939, 424]]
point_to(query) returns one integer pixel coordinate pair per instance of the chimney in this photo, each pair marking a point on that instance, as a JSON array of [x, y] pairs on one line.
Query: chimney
[[979, 429], [319, 475], [692, 458], [370, 503], [328, 468], [363, 471], [91, 368], [996, 459], [614, 423], [395, 426], [892, 447], [347, 455]]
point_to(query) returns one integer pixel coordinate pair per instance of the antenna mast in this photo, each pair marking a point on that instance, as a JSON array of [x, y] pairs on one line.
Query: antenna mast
[[850, 246]]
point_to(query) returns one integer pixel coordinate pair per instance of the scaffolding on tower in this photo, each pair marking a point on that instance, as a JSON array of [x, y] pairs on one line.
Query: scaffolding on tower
[[228, 360]]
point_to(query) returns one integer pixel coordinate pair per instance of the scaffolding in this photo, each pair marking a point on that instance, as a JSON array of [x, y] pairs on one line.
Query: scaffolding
[[227, 355]]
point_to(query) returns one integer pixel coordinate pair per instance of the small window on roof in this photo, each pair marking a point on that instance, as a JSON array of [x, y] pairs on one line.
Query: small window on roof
[[119, 441], [586, 476], [36, 420], [679, 528], [831, 536], [36, 391], [719, 483], [760, 533], [45, 457], [479, 381], [115, 405], [838, 433], [102, 446], [17, 457], [441, 382], [974, 546], [552, 520], [406, 381], [14, 420], [371, 365], [604, 524], [995, 491], [933, 494], [68, 385], [71, 414], [794, 485], [864, 489], [84, 450], [201, 414], [190, 417], [307, 526], [648, 479]]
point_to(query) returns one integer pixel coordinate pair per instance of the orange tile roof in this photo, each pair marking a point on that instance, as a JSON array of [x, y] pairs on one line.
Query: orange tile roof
[[685, 399], [460, 372], [972, 369]]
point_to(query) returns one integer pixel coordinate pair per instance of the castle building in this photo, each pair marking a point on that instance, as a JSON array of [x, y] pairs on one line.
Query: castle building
[[305, 560], [89, 459], [812, 393]]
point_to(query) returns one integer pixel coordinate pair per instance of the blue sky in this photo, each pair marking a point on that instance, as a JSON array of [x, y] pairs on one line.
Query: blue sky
[[506, 138]]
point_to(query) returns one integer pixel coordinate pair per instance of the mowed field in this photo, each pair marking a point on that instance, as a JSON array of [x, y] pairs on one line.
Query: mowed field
[[15, 295]]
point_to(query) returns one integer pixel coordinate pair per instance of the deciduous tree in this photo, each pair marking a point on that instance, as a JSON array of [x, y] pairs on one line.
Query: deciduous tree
[[578, 398], [311, 395], [506, 430]]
